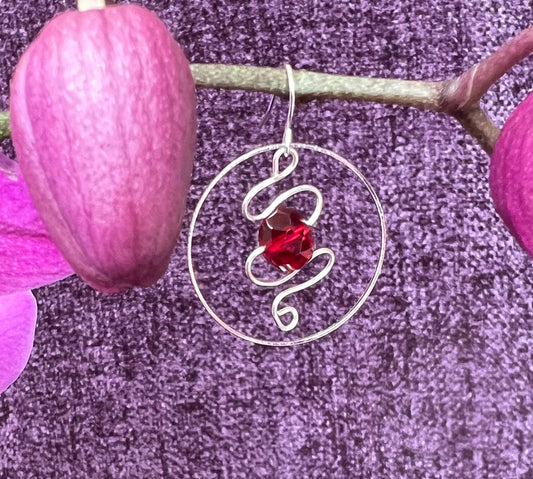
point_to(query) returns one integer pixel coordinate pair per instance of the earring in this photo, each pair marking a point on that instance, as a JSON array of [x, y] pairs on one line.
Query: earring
[[285, 240]]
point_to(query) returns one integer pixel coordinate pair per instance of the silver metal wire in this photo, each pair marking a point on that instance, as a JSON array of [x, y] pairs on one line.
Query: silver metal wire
[[286, 150], [272, 207], [280, 200], [277, 312], [287, 135], [264, 282]]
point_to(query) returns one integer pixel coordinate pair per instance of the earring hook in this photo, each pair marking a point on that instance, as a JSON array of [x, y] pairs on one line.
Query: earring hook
[[287, 135]]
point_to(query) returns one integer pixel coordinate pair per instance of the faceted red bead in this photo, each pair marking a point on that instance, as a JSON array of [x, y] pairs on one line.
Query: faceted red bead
[[288, 241]]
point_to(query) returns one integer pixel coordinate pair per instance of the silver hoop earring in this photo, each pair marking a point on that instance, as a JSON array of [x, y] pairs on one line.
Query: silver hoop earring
[[286, 239]]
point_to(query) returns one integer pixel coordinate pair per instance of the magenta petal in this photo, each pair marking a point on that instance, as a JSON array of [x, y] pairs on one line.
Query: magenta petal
[[28, 257], [511, 174], [18, 315]]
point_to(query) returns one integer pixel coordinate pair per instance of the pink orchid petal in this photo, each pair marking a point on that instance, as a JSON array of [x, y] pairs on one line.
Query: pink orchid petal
[[18, 316], [28, 257]]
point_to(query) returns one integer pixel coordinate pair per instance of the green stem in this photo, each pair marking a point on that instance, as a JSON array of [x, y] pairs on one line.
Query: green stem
[[311, 85], [5, 131], [476, 122]]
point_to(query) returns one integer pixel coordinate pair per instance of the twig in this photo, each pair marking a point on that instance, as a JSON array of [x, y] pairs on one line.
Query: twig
[[476, 122], [466, 90], [311, 85]]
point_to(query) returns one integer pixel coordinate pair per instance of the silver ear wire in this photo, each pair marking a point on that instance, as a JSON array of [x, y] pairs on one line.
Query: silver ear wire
[[287, 134]]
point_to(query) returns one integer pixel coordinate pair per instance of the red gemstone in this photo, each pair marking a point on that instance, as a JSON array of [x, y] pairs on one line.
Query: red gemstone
[[288, 241]]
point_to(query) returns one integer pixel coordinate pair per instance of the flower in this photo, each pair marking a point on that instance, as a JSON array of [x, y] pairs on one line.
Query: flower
[[511, 174], [18, 314], [111, 196], [29, 260]]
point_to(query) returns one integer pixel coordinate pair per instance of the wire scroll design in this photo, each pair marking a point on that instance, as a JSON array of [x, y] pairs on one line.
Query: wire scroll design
[[224, 319], [286, 151]]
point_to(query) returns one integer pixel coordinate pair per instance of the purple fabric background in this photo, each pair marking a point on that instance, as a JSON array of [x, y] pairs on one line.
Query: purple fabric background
[[434, 377]]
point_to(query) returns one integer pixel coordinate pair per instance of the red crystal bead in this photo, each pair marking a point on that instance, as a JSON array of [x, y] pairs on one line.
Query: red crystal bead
[[288, 241]]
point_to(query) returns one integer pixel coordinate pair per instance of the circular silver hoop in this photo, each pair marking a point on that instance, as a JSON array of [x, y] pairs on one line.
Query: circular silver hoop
[[364, 296]]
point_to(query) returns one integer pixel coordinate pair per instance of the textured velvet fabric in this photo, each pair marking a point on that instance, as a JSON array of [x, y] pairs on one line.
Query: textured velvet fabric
[[432, 378]]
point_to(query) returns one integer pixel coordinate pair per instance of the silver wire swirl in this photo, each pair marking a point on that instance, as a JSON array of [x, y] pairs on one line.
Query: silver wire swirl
[[272, 207], [364, 295], [275, 178], [288, 273], [248, 267], [276, 312]]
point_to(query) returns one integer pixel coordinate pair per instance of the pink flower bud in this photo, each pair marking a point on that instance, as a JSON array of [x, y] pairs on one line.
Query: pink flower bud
[[104, 126], [511, 174]]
